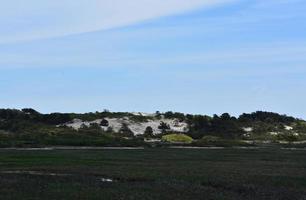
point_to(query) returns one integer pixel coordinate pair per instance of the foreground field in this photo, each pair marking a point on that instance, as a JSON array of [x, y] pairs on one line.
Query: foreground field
[[153, 174]]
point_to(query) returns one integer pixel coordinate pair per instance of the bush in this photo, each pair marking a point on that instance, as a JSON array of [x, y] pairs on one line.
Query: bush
[[164, 127], [104, 123], [148, 133], [125, 131], [177, 138]]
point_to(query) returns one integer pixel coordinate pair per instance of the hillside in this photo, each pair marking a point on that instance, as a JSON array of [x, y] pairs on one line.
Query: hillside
[[29, 127]]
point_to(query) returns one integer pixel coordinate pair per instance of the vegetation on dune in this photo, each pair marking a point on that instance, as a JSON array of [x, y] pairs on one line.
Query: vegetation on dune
[[164, 127], [29, 127]]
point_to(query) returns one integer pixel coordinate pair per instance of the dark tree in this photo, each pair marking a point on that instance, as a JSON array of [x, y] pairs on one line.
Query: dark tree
[[267, 117], [199, 126], [125, 131], [148, 132], [104, 122], [30, 111], [176, 115], [164, 126], [225, 116], [56, 118], [158, 115]]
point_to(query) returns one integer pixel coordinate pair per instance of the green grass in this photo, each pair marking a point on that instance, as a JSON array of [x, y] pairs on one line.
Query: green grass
[[66, 139], [219, 142], [155, 174], [177, 138]]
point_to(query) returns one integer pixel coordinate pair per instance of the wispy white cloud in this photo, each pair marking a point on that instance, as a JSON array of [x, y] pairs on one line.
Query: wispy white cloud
[[272, 56], [36, 19]]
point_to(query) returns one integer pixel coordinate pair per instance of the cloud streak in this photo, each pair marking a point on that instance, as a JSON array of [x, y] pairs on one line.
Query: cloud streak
[[35, 19]]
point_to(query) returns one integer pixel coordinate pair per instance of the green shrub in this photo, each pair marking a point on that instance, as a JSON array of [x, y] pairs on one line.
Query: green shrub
[[177, 138]]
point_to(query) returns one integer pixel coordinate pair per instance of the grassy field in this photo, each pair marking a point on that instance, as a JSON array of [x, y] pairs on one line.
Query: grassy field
[[153, 174]]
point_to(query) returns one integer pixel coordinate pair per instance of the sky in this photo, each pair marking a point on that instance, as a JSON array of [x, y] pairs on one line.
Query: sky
[[196, 56]]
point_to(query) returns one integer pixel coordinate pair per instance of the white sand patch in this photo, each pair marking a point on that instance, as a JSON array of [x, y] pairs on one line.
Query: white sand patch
[[288, 128], [106, 180], [143, 114], [248, 129], [137, 128], [78, 123], [274, 133]]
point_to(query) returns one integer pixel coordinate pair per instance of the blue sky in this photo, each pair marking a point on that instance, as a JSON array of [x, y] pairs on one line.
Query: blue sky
[[197, 56]]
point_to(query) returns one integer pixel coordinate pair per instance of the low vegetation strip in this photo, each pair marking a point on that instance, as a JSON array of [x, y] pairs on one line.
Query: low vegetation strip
[[72, 148], [34, 173]]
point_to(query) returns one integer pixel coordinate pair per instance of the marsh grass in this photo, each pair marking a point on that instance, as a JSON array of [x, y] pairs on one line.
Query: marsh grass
[[155, 174]]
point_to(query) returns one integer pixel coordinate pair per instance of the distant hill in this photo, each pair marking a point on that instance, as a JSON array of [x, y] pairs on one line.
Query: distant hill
[[109, 128]]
